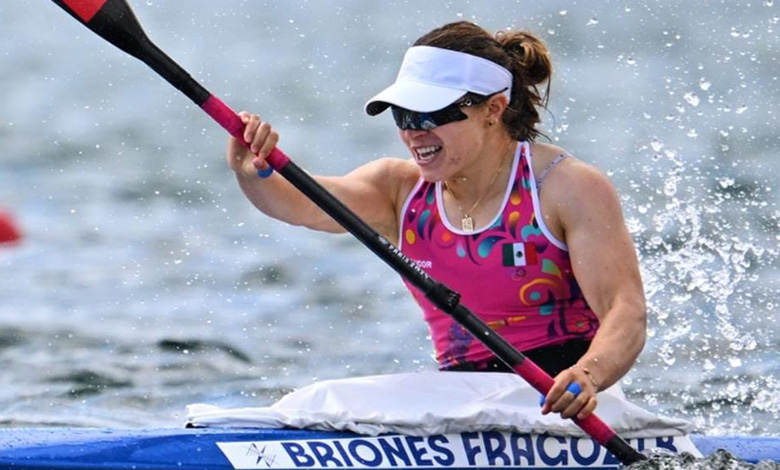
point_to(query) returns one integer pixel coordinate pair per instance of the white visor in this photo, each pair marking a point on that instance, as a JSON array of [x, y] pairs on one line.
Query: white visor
[[432, 78]]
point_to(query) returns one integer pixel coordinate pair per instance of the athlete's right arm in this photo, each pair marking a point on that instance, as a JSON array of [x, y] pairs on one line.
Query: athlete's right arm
[[373, 191]]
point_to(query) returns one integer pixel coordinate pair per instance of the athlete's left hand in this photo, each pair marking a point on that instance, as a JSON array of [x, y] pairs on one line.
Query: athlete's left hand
[[560, 398]]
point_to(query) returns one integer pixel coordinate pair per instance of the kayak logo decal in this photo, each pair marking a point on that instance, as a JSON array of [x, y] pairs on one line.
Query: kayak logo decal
[[261, 455]]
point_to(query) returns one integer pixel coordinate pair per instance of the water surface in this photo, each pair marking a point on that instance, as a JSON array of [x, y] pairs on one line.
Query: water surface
[[147, 282]]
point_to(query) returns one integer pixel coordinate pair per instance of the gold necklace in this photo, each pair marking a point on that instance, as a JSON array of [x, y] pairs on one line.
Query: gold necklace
[[466, 221]]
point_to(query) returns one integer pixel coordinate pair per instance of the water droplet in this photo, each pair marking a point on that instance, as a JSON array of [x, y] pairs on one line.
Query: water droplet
[[667, 355], [742, 109], [704, 84], [692, 98], [592, 22], [670, 188], [764, 401], [634, 225]]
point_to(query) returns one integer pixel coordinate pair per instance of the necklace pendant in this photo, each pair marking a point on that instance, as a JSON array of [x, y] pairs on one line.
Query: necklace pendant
[[467, 223]]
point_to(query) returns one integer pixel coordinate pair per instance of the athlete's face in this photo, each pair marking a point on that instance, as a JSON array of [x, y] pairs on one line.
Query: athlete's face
[[448, 150]]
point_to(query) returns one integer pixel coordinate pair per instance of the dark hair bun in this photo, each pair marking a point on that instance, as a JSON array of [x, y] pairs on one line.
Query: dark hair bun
[[529, 52]]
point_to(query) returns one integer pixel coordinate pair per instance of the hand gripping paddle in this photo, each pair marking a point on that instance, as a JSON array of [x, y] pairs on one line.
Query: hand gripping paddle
[[114, 21]]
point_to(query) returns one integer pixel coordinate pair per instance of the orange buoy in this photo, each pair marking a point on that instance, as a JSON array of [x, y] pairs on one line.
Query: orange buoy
[[9, 231]]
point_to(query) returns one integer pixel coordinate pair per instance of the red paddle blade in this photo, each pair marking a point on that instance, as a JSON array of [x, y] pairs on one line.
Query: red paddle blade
[[9, 231], [113, 20], [83, 10]]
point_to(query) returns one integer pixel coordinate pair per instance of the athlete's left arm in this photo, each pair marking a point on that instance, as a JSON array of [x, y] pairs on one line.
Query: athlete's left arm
[[605, 265]]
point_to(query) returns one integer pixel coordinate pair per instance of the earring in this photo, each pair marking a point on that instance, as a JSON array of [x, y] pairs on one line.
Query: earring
[[490, 123]]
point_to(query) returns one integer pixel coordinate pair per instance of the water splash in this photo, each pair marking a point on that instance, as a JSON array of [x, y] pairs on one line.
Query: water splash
[[720, 460], [707, 247]]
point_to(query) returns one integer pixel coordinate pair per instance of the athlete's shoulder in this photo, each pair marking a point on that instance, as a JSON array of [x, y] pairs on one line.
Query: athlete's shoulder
[[396, 176], [392, 166], [402, 173], [543, 151], [571, 166], [572, 179], [388, 170]]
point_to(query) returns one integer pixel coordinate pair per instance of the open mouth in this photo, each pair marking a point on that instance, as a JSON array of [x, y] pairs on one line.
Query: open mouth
[[426, 154]]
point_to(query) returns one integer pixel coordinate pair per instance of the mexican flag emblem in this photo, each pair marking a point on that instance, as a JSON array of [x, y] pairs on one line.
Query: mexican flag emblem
[[519, 254]]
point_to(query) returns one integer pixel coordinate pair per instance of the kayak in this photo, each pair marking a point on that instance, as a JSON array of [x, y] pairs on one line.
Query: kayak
[[181, 448], [403, 421]]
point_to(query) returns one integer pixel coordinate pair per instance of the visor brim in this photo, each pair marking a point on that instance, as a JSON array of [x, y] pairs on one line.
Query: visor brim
[[414, 96]]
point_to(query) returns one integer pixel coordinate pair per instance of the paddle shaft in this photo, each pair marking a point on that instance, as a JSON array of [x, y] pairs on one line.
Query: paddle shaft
[[114, 21]]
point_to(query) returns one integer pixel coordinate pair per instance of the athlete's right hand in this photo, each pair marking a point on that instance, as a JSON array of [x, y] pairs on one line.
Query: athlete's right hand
[[261, 139]]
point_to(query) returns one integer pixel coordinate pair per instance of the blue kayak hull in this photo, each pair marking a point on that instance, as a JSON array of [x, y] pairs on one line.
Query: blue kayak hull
[[139, 449]]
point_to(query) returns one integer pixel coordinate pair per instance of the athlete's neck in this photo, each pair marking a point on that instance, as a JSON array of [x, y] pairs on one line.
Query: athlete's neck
[[484, 178]]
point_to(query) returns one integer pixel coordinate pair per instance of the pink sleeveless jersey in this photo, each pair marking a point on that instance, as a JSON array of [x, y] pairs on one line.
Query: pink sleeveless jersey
[[513, 274]]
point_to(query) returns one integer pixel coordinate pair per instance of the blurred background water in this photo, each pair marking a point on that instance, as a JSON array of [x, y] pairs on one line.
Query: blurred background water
[[146, 281]]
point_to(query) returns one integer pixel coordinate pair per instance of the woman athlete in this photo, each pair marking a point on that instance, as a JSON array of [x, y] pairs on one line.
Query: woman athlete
[[531, 237]]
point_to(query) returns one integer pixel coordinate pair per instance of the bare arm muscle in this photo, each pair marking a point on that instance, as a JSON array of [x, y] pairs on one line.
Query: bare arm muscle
[[373, 191], [606, 267]]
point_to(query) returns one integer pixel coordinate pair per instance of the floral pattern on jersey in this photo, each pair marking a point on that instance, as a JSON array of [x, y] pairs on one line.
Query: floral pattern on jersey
[[459, 342]]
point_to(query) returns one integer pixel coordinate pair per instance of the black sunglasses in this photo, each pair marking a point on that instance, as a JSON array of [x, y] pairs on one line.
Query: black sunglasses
[[413, 120]]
